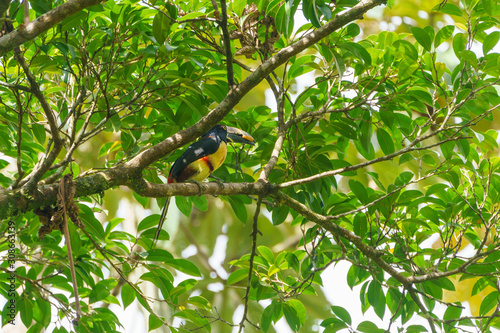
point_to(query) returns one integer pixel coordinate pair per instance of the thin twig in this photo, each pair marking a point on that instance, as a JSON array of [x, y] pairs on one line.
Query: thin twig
[[278, 145], [70, 252], [426, 314], [227, 45], [255, 231]]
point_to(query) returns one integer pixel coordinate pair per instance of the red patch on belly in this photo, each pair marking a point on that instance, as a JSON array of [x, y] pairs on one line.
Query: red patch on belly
[[208, 163]]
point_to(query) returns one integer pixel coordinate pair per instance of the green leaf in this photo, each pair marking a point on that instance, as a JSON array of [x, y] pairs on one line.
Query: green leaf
[[159, 255], [127, 294], [459, 43], [451, 314], [435, 188], [99, 292], [284, 18], [404, 178], [280, 214], [352, 30], [491, 41], [376, 298], [342, 313], [421, 95], [359, 191], [470, 57], [184, 205], [192, 316], [266, 253], [310, 12], [42, 312], [464, 147], [357, 50], [385, 141], [368, 327], [39, 132], [301, 66], [148, 222], [356, 275], [291, 317], [411, 53], [115, 123], [345, 129], [489, 303], [41, 6], [374, 176], [94, 227], [422, 38], [200, 302], [333, 325], [184, 266], [26, 311], [443, 34], [200, 202], [161, 27], [299, 309], [292, 261], [36, 328], [448, 8], [154, 322], [239, 208], [271, 313], [108, 148], [406, 69], [160, 282], [479, 286], [237, 276], [416, 329], [489, 6]]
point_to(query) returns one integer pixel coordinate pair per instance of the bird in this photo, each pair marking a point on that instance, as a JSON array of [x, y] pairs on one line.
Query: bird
[[202, 158]]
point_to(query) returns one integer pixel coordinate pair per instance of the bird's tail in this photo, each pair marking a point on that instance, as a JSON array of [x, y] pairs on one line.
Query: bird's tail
[[162, 220]]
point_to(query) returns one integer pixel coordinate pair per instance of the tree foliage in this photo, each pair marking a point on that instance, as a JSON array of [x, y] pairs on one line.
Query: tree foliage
[[380, 151]]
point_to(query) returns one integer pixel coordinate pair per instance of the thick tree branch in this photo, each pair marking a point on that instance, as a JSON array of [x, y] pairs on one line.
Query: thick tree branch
[[43, 23], [129, 173], [328, 224], [235, 95], [15, 202]]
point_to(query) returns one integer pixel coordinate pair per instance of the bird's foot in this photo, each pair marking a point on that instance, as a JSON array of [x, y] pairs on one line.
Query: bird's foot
[[200, 185], [218, 181]]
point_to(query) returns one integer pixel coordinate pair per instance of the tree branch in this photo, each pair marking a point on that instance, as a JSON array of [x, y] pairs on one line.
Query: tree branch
[[411, 147], [227, 44], [43, 23], [45, 163], [255, 231], [183, 137], [327, 224]]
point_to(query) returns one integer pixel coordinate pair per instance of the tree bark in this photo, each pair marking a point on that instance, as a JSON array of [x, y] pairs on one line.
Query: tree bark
[[43, 23], [130, 173]]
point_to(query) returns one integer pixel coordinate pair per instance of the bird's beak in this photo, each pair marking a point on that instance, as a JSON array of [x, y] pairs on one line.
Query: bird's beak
[[239, 136]]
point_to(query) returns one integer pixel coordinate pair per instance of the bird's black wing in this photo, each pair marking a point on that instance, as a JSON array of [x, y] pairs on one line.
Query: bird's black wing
[[205, 146]]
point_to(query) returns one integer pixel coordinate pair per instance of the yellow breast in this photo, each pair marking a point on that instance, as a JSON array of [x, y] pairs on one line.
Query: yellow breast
[[203, 167]]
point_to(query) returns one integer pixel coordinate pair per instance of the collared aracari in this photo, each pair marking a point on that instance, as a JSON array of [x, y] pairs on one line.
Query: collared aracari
[[201, 159]]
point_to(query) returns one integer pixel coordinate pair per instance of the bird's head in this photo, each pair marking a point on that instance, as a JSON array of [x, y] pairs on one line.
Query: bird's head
[[231, 134], [236, 135]]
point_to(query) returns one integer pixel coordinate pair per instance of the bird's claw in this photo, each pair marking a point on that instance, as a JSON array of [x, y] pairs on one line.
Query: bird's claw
[[218, 181], [200, 185]]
